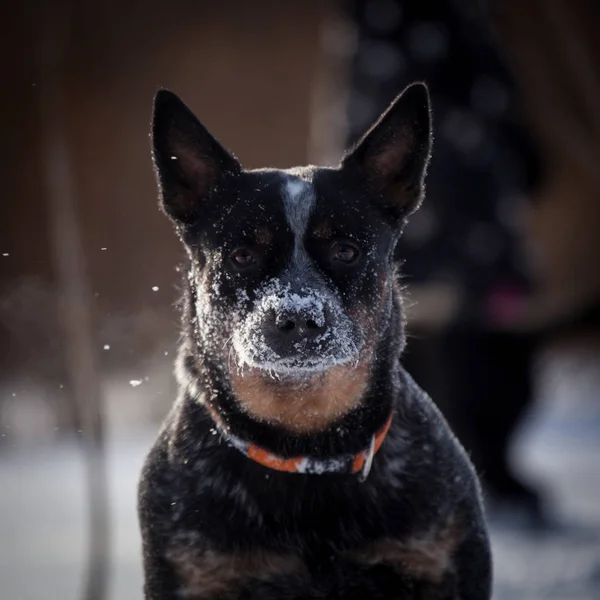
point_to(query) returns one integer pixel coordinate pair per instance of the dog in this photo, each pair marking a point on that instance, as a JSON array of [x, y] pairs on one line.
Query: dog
[[300, 461]]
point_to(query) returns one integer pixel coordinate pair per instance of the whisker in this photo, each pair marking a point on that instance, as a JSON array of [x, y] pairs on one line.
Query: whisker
[[227, 341]]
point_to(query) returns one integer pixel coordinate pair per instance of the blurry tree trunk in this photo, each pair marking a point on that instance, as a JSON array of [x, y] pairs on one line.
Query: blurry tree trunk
[[74, 299]]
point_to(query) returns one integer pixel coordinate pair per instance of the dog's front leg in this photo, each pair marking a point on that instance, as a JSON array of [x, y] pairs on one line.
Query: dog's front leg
[[155, 510], [160, 580], [474, 567]]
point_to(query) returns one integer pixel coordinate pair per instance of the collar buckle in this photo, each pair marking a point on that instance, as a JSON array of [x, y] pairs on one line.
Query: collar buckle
[[370, 453]]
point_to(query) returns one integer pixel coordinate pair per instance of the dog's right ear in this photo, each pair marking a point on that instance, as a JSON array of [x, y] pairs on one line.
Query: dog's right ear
[[189, 162], [394, 154]]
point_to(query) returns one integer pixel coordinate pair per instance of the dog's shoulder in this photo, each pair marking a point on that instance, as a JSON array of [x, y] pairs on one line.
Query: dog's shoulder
[[422, 460]]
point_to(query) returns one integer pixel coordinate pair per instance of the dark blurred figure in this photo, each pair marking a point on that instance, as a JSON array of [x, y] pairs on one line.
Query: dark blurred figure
[[477, 366]]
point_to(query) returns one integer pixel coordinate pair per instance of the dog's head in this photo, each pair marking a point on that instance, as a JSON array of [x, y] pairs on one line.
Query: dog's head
[[293, 269]]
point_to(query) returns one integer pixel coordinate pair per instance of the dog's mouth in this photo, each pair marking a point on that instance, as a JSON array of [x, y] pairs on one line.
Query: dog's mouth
[[304, 358]]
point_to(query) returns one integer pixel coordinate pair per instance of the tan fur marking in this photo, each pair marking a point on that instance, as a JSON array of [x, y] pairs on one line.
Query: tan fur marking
[[323, 230], [305, 408], [207, 574], [263, 236], [427, 557], [368, 316]]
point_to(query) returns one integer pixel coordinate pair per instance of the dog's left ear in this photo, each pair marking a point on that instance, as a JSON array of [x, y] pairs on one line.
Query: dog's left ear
[[189, 162], [393, 155]]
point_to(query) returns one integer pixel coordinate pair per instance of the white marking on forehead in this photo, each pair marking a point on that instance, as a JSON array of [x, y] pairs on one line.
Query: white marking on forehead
[[298, 199], [295, 188]]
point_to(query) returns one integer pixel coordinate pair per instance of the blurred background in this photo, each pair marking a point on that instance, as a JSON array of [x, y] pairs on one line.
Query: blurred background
[[502, 262]]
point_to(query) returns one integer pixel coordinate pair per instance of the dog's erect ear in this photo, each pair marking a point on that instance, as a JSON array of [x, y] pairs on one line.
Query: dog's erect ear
[[189, 161], [393, 155]]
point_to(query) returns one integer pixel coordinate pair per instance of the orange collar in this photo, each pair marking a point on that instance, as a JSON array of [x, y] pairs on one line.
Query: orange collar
[[357, 463]]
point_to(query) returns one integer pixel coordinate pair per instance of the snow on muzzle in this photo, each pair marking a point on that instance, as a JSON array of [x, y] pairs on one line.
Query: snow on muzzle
[[296, 332]]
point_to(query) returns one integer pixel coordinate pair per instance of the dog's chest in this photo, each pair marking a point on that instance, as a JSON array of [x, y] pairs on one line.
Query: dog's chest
[[382, 569], [307, 543], [273, 510]]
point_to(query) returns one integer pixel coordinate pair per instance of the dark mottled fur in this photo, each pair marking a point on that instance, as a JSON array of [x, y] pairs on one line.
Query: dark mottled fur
[[218, 525]]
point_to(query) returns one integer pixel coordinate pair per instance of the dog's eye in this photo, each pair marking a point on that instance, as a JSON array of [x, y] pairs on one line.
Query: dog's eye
[[346, 253], [242, 257]]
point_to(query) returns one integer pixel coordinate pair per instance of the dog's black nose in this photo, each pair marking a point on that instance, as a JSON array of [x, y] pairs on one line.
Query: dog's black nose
[[296, 327], [288, 332]]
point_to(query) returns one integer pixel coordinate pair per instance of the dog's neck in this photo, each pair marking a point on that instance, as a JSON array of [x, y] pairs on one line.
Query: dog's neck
[[205, 380], [356, 463]]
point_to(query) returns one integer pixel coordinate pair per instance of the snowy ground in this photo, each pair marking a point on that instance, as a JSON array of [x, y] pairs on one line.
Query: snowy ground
[[42, 515]]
